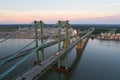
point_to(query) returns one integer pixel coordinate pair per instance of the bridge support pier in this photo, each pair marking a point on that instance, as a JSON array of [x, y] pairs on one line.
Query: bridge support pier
[[80, 45]]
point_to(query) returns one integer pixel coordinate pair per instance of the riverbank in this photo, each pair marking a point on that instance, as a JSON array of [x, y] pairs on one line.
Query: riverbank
[[108, 36]]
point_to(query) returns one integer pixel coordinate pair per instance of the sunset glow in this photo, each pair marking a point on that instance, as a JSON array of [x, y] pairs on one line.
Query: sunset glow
[[52, 13]]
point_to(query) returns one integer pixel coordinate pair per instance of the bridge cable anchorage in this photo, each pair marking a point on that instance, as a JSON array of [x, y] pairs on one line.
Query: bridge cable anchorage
[[23, 59], [12, 35]]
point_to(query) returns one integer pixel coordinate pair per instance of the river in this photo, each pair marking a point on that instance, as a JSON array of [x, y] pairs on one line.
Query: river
[[98, 61]]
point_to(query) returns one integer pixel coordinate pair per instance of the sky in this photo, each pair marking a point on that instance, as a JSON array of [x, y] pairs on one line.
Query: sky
[[50, 11]]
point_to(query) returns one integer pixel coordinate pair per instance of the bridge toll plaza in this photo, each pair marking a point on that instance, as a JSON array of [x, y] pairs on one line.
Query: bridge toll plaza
[[40, 42]]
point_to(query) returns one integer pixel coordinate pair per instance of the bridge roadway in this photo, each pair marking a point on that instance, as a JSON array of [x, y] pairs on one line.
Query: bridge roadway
[[38, 69]]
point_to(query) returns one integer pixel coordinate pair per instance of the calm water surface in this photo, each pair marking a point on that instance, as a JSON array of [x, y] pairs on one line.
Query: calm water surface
[[100, 60]]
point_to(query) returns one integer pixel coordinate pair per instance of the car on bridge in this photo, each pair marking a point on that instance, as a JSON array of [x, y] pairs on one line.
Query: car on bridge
[[57, 54]]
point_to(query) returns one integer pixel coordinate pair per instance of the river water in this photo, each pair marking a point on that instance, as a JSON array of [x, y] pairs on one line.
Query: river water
[[100, 60]]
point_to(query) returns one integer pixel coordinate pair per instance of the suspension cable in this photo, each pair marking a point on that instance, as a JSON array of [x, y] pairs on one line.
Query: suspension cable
[[23, 59], [18, 52]]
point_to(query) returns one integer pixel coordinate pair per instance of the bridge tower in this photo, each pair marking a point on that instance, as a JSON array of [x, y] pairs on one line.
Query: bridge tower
[[41, 28], [65, 42], [36, 37], [39, 24], [59, 38]]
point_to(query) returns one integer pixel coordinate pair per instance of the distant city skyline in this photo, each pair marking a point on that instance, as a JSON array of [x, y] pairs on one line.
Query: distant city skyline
[[50, 11]]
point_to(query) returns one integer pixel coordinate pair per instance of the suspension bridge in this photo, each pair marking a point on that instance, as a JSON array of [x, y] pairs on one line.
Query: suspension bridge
[[39, 36]]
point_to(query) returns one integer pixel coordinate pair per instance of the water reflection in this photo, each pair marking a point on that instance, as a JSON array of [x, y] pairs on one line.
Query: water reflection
[[96, 62], [11, 46], [62, 76], [77, 59], [109, 43], [75, 63]]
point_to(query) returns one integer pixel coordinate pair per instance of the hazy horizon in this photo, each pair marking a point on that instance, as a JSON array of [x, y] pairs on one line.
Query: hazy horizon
[[77, 11]]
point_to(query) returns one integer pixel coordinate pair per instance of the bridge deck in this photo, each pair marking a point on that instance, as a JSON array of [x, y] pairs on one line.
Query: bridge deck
[[39, 68]]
